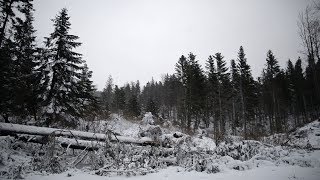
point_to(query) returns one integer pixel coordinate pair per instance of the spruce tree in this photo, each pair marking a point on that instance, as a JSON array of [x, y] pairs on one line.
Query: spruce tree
[[235, 93], [67, 92], [107, 97], [196, 91], [182, 69], [88, 103], [119, 100], [292, 95], [171, 95], [152, 107], [26, 62], [271, 72], [213, 101], [299, 86], [137, 89], [133, 108], [223, 86], [10, 31], [128, 92], [247, 91], [7, 80]]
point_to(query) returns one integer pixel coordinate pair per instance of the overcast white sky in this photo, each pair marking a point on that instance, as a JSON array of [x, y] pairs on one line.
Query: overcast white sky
[[139, 39]]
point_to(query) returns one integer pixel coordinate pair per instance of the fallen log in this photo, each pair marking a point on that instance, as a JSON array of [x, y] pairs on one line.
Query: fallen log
[[64, 142], [74, 143], [10, 129]]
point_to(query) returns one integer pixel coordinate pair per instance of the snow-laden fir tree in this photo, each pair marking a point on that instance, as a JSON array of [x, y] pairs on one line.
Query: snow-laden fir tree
[[69, 92], [86, 90], [16, 47], [26, 61]]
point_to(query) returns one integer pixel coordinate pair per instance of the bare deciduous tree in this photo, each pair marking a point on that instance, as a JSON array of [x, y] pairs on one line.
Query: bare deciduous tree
[[309, 31]]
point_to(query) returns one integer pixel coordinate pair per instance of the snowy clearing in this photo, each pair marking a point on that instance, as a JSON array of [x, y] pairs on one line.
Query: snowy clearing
[[191, 157], [173, 173]]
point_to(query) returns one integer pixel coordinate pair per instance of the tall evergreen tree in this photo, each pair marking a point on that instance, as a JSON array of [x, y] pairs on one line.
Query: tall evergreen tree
[[133, 108], [10, 31], [223, 86], [235, 93], [275, 93], [247, 91], [119, 99], [6, 80], [299, 86], [292, 95], [87, 100], [181, 68], [152, 107], [27, 75], [196, 91], [107, 96], [66, 91], [172, 88], [213, 102]]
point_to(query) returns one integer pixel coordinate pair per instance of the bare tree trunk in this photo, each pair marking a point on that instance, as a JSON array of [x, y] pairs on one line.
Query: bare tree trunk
[[233, 117], [6, 118], [243, 113], [274, 117], [220, 114]]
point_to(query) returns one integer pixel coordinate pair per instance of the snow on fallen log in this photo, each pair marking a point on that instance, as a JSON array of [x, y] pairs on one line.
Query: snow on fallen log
[[169, 161], [8, 128], [77, 143], [64, 142]]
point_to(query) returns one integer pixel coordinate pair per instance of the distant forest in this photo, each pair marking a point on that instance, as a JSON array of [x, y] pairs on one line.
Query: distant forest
[[50, 84]]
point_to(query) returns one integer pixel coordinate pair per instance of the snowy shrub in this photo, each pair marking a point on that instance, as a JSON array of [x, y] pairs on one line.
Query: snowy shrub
[[148, 118], [167, 124], [97, 161], [14, 162], [154, 132], [51, 159], [243, 150], [212, 168]]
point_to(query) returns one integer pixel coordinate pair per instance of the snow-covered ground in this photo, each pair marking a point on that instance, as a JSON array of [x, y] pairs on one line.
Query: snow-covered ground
[[174, 173], [281, 156], [124, 127]]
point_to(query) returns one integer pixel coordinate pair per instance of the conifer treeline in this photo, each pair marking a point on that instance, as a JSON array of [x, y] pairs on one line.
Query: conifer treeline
[[228, 99], [50, 84]]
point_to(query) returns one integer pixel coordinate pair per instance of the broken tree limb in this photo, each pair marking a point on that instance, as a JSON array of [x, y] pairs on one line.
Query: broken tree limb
[[8, 128]]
